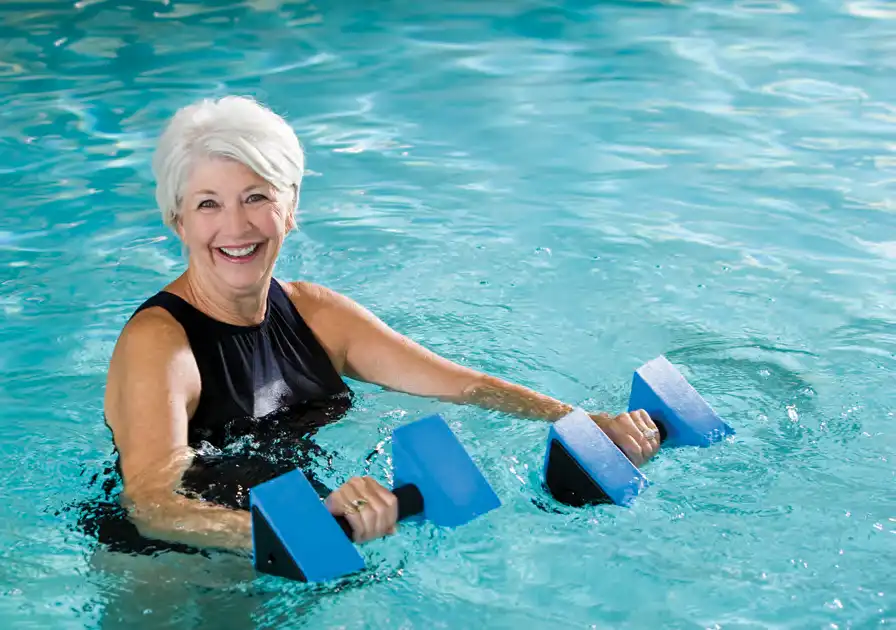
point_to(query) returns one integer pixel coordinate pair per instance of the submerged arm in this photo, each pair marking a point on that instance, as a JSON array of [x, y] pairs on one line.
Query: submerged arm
[[153, 380]]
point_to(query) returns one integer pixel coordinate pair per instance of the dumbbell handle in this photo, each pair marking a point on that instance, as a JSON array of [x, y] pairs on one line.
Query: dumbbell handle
[[661, 428], [410, 503]]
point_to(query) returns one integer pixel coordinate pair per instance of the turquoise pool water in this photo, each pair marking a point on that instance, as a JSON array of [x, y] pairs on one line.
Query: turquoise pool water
[[553, 192]]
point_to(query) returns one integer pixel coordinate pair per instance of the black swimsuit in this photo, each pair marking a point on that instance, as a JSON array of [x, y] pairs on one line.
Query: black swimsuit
[[266, 389], [254, 375]]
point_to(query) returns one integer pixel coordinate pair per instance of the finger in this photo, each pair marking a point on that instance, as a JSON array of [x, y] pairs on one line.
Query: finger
[[356, 518], [374, 518], [377, 509], [621, 430], [646, 425], [390, 507], [372, 509], [633, 425], [636, 429], [632, 449], [335, 502], [647, 447], [338, 504], [644, 420]]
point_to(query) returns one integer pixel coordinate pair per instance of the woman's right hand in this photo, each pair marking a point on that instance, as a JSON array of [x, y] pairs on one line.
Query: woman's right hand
[[369, 508]]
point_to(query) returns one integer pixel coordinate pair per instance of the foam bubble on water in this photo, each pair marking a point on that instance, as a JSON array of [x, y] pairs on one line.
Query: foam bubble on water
[[815, 91], [659, 233], [92, 354], [501, 59], [269, 69], [704, 53], [10, 69], [884, 249], [767, 6], [873, 9], [12, 304], [103, 47]]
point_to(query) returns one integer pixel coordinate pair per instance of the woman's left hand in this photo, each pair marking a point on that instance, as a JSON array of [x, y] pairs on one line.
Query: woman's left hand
[[633, 432]]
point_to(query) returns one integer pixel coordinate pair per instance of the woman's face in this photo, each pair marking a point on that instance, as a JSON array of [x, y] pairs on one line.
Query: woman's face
[[233, 223]]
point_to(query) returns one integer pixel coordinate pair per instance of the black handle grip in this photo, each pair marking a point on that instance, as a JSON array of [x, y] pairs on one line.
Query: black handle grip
[[410, 503], [661, 428]]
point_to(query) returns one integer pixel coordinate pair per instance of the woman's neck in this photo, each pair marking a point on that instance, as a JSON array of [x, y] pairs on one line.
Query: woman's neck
[[239, 308]]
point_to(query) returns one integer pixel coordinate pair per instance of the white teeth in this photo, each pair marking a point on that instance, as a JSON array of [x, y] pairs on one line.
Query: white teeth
[[238, 253]]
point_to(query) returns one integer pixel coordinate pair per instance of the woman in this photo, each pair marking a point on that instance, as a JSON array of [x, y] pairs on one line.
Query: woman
[[227, 356]]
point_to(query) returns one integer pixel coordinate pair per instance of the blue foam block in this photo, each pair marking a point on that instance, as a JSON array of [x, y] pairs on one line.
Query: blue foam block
[[599, 458], [291, 525], [426, 453], [661, 390]]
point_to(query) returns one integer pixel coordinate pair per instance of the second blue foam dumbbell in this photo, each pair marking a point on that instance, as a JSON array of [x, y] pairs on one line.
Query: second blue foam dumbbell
[[583, 466], [295, 536]]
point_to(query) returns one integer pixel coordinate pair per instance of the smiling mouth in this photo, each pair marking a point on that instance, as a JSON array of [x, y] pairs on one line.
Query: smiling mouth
[[240, 254]]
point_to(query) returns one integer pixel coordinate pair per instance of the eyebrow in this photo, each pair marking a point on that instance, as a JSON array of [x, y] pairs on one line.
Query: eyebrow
[[206, 191]]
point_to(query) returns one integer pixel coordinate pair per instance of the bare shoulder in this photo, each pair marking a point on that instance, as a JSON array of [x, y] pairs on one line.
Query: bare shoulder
[[152, 333], [317, 301], [334, 318], [151, 350], [312, 293]]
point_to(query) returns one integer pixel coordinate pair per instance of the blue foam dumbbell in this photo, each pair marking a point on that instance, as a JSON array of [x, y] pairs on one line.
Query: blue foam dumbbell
[[583, 466], [296, 537]]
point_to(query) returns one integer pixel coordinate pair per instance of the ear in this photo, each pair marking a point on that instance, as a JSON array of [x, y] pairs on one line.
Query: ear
[[179, 227], [291, 217]]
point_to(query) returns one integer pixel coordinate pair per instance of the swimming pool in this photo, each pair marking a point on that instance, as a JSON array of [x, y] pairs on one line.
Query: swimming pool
[[552, 192]]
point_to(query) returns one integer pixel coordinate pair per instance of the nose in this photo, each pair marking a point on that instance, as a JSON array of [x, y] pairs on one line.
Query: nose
[[236, 219]]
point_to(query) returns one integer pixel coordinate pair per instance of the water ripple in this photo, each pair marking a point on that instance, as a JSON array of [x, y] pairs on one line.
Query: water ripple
[[872, 9], [553, 194]]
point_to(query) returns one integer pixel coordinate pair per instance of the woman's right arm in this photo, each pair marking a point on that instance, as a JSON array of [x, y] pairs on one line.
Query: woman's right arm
[[152, 388]]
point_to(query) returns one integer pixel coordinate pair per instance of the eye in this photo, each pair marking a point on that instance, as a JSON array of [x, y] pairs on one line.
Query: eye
[[208, 204], [256, 198]]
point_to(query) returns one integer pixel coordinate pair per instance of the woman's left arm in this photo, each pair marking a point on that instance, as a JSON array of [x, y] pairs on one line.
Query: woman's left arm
[[374, 353]]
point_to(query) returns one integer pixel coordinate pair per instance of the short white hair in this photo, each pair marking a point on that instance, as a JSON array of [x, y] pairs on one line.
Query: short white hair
[[232, 127]]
